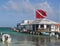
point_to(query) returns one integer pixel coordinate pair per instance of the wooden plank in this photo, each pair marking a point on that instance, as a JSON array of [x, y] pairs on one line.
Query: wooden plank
[[46, 30]]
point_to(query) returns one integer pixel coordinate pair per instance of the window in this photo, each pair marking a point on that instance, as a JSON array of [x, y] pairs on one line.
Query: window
[[48, 26], [42, 26]]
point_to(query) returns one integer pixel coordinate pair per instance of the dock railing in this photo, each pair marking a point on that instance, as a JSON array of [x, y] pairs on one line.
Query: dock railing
[[45, 30]]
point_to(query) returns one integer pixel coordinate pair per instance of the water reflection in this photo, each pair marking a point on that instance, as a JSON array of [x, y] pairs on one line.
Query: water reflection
[[5, 44], [29, 40], [34, 40]]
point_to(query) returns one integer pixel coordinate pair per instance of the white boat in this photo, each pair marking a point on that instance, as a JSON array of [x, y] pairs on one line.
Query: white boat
[[45, 33]]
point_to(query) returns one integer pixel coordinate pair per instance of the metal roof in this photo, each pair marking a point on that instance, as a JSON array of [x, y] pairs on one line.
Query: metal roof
[[40, 21], [43, 21]]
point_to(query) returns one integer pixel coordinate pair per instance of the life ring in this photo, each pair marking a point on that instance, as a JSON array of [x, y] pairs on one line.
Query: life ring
[[6, 38]]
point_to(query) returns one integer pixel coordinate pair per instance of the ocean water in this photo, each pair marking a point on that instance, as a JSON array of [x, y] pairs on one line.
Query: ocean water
[[22, 39]]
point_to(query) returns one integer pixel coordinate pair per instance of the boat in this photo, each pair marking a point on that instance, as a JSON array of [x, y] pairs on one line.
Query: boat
[[45, 33]]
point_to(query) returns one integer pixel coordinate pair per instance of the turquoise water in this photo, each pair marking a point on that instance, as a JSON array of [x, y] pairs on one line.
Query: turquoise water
[[22, 39]]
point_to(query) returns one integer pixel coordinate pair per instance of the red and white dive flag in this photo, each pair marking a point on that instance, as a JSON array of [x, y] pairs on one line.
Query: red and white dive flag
[[40, 14]]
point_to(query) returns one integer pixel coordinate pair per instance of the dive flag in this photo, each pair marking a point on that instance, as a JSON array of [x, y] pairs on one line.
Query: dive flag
[[40, 14]]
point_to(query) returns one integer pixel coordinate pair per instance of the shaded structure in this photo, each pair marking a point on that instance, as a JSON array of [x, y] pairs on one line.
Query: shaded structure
[[39, 25]]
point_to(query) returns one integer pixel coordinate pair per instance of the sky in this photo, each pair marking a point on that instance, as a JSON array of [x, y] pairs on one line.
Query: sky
[[13, 12]]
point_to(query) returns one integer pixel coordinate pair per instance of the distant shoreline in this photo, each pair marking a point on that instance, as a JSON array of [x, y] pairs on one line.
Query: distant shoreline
[[4, 27]]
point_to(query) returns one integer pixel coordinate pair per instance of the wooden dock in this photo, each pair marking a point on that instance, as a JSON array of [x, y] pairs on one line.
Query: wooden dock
[[46, 30]]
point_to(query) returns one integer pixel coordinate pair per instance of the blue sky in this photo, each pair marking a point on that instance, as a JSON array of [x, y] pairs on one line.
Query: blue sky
[[15, 11]]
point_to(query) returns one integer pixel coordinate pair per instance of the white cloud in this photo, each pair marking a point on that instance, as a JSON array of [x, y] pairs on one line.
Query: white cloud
[[16, 5], [51, 14], [49, 9], [25, 6], [10, 5], [59, 9], [59, 13], [45, 6]]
